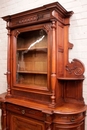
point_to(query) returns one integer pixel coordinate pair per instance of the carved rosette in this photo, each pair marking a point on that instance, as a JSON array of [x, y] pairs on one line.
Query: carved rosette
[[75, 69]]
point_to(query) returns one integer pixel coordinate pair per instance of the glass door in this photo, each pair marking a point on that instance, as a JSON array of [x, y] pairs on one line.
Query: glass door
[[31, 59]]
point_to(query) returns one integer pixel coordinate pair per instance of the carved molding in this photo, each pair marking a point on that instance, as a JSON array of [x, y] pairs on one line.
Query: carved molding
[[75, 68], [33, 18], [29, 19]]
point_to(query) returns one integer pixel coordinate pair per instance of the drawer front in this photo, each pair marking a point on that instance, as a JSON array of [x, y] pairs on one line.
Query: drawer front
[[25, 111], [79, 126], [68, 128], [63, 119], [75, 128]]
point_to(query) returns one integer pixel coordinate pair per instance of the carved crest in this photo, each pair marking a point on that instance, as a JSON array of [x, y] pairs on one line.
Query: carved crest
[[75, 68]]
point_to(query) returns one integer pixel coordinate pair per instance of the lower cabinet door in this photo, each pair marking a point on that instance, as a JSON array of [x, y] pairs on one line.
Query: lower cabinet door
[[22, 123]]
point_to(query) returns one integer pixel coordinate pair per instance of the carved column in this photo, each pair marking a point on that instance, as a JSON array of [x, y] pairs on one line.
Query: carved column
[[48, 122], [53, 70], [3, 117], [8, 62]]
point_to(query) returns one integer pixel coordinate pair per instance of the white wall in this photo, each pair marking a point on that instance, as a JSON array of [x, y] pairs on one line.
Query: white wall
[[77, 31]]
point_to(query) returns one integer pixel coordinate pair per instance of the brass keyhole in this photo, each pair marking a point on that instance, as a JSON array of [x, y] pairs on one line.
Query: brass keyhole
[[23, 111]]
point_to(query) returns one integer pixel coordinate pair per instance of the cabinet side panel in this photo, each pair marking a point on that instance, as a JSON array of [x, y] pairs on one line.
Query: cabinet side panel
[[60, 50]]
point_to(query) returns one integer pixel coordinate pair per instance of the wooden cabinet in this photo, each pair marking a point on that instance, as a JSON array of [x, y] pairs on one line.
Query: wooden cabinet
[[44, 89]]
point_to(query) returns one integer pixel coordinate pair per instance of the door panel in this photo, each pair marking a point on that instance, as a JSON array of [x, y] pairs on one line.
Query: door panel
[[20, 123]]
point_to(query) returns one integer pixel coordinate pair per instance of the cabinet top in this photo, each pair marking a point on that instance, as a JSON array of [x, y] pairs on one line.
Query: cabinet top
[[64, 108], [43, 13]]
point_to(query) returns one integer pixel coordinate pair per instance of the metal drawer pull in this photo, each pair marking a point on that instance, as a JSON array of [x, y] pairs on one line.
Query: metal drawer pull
[[23, 111], [73, 119]]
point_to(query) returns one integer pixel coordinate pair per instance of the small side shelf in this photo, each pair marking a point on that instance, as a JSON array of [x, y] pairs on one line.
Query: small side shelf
[[68, 78]]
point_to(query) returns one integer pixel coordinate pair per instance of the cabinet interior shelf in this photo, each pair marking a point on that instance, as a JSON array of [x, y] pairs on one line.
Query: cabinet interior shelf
[[32, 49], [31, 72]]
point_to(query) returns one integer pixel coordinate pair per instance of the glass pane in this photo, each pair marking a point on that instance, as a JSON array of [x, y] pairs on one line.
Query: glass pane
[[32, 58]]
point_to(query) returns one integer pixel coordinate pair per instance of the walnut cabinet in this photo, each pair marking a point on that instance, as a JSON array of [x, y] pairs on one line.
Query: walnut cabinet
[[44, 89]]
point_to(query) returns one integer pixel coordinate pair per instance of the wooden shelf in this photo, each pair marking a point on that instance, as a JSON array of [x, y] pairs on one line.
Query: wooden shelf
[[31, 72], [70, 108], [68, 78], [32, 49]]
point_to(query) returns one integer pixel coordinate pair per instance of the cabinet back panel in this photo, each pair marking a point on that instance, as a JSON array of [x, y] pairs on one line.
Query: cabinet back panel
[[33, 62]]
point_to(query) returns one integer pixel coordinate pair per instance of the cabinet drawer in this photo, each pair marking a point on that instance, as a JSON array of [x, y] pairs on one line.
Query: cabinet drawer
[[76, 126], [63, 119], [25, 111]]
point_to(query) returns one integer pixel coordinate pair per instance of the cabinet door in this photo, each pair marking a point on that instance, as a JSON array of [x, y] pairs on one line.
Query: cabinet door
[[31, 56], [22, 123]]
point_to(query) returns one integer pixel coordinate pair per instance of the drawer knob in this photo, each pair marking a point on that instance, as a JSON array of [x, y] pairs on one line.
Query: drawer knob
[[23, 111]]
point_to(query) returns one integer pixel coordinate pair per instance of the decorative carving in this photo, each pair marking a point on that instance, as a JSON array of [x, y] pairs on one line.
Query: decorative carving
[[16, 33], [48, 122], [32, 18], [47, 27], [75, 68], [53, 24], [29, 19], [40, 16]]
